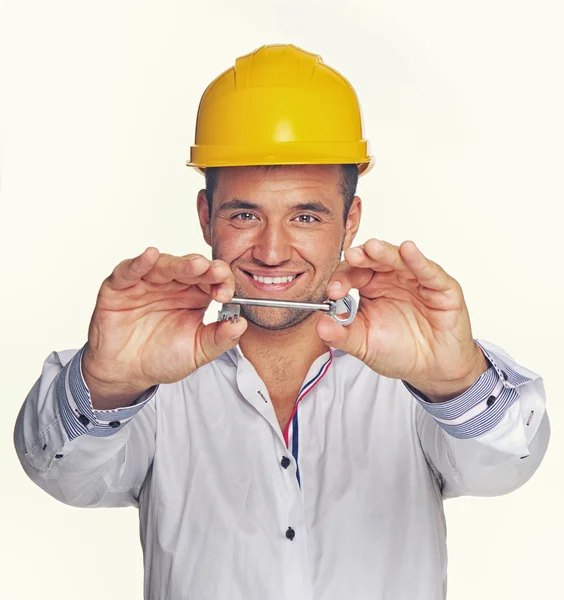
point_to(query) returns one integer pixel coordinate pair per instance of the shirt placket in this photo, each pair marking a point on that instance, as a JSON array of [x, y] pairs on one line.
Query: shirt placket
[[292, 521]]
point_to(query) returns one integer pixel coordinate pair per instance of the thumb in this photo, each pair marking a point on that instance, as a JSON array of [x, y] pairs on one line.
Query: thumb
[[349, 338], [332, 333], [218, 337]]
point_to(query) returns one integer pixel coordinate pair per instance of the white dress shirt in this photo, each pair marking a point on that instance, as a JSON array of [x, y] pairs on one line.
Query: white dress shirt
[[345, 504]]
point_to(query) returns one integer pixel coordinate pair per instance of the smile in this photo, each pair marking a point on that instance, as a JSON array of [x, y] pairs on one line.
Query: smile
[[269, 280], [278, 282]]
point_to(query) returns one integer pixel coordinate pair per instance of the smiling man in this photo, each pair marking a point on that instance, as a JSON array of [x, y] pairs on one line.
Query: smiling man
[[283, 456], [279, 223]]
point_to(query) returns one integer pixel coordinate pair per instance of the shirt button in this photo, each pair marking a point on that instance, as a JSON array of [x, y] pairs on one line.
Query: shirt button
[[290, 533], [491, 400], [114, 424], [84, 420], [285, 462]]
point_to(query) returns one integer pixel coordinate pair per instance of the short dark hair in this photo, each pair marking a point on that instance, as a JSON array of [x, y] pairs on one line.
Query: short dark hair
[[349, 182]]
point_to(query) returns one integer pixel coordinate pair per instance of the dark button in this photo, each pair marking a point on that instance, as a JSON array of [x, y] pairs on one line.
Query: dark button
[[290, 533], [44, 446], [285, 462], [58, 456], [84, 420], [491, 400], [504, 375], [115, 424]]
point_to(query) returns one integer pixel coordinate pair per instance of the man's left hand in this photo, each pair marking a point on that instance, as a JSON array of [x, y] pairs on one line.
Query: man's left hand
[[412, 321]]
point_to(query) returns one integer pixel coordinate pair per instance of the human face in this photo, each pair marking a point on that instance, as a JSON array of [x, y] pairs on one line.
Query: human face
[[284, 224]]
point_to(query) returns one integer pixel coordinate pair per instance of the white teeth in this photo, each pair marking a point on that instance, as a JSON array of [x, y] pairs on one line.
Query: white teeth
[[274, 280]]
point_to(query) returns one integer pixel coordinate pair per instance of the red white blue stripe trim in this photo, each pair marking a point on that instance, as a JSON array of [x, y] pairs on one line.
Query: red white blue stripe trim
[[291, 431]]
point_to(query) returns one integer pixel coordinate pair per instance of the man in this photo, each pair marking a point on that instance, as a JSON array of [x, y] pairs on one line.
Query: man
[[283, 456]]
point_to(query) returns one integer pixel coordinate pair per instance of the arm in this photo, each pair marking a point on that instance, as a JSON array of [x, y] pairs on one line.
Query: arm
[[490, 439], [147, 328], [413, 324], [79, 455]]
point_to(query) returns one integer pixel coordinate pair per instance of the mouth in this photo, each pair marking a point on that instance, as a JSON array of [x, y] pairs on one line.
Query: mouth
[[272, 283]]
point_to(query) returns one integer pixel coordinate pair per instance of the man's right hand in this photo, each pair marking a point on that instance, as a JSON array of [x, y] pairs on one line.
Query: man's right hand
[[147, 325]]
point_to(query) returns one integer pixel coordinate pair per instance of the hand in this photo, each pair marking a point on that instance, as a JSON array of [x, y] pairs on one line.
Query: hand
[[147, 324], [412, 322]]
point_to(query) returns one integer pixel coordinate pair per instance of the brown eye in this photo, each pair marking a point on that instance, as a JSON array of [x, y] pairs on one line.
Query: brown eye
[[306, 219], [245, 216]]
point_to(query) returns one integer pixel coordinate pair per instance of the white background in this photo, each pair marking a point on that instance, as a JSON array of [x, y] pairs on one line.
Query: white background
[[462, 104]]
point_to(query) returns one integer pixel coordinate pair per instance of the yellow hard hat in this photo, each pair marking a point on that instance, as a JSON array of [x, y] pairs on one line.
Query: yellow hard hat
[[279, 105]]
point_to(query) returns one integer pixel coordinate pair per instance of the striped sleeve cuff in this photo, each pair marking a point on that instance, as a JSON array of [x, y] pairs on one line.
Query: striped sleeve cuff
[[480, 408], [76, 410]]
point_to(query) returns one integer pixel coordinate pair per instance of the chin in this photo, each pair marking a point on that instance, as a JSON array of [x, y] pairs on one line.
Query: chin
[[283, 319]]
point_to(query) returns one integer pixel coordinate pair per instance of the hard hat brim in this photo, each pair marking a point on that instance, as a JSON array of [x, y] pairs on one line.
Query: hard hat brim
[[281, 154]]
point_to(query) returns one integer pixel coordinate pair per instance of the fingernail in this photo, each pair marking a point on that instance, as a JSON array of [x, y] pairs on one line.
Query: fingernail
[[357, 251], [335, 286], [223, 290]]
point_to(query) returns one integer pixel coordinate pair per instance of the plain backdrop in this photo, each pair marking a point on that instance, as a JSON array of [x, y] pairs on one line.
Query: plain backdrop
[[462, 105]]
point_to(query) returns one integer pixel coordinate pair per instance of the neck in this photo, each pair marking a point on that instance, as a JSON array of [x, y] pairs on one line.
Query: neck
[[296, 346]]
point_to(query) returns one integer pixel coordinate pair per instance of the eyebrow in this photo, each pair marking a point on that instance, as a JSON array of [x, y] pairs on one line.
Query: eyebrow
[[240, 204], [317, 207]]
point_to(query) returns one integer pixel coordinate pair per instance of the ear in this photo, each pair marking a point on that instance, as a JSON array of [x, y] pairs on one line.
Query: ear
[[353, 222], [204, 216]]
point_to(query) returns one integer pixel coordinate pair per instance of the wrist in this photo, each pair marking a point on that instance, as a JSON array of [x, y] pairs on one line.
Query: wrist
[[106, 394], [445, 391]]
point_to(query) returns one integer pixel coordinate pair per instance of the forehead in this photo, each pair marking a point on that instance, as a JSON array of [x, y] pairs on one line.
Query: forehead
[[284, 182]]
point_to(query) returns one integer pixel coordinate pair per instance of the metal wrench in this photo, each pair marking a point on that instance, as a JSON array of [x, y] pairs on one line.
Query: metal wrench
[[231, 310]]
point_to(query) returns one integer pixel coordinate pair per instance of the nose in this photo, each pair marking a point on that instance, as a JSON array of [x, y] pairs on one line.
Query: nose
[[272, 245]]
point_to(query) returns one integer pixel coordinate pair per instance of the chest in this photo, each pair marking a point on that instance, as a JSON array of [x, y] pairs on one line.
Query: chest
[[223, 488], [219, 462], [283, 398]]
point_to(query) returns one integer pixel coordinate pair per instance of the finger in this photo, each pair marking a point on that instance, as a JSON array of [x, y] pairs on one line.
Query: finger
[[347, 338], [379, 256], [159, 269], [130, 271], [345, 277], [222, 292], [191, 298], [212, 277], [218, 337], [427, 272], [191, 269], [218, 281]]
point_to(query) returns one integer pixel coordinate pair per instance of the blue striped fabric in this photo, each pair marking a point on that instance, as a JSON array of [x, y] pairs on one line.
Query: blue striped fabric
[[511, 377], [73, 398], [469, 415]]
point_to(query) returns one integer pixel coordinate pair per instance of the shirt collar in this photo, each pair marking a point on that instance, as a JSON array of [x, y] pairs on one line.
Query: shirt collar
[[236, 354]]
